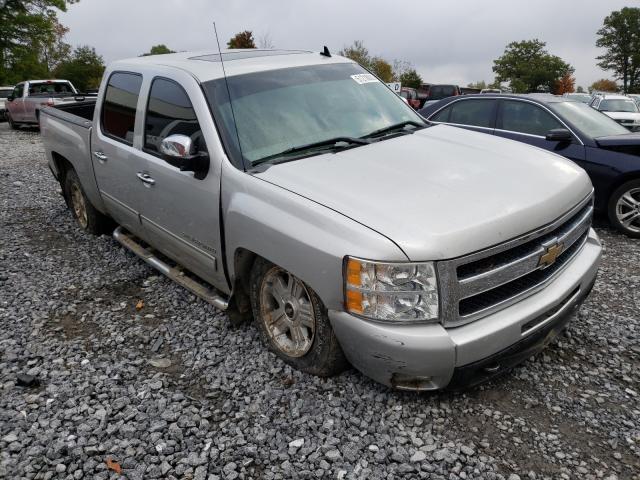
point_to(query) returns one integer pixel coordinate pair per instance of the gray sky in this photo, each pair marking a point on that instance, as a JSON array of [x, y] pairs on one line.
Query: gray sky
[[446, 41]]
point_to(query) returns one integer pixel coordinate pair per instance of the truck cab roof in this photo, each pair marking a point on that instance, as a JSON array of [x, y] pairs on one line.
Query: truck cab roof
[[205, 65]]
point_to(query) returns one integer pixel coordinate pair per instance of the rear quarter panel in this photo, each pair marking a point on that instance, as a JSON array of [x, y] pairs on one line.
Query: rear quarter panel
[[66, 136]]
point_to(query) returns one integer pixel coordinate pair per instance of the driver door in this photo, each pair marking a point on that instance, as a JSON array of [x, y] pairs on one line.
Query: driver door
[[181, 212], [16, 106]]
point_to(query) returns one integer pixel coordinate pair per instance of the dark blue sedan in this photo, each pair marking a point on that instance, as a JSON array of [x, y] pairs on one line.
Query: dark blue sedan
[[605, 149]]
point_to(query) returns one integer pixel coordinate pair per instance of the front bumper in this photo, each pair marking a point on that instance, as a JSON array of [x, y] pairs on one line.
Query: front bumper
[[430, 357]]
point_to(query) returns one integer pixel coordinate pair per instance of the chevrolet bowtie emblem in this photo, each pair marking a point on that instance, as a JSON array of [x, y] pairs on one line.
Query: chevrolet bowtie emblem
[[550, 255]]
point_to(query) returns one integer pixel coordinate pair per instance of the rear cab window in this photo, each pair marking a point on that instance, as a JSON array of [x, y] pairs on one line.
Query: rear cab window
[[118, 114], [50, 88]]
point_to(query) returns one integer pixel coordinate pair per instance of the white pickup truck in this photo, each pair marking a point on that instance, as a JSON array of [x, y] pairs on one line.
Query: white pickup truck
[[299, 190], [26, 100]]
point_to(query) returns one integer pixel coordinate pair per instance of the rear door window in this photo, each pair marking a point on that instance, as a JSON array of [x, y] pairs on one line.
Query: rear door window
[[170, 112], [528, 118], [477, 113], [118, 116]]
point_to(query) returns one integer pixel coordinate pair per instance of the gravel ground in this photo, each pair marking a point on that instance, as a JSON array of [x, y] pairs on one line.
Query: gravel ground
[[138, 376]]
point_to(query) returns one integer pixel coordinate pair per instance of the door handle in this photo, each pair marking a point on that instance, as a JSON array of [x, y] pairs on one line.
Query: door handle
[[146, 178], [100, 156]]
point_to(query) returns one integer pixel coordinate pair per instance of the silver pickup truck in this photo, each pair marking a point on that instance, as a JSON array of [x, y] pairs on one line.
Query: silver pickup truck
[[301, 191], [26, 100]]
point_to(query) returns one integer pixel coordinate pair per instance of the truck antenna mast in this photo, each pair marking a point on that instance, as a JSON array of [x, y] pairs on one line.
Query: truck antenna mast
[[226, 82]]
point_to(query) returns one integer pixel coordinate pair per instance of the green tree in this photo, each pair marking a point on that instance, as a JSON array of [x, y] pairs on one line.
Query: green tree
[[25, 27], [242, 40], [84, 69], [620, 37], [55, 50], [529, 67], [404, 73], [382, 69], [410, 78], [358, 53], [579, 89], [160, 49]]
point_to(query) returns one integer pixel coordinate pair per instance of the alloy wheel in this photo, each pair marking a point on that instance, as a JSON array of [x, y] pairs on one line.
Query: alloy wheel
[[628, 210], [287, 312], [79, 206]]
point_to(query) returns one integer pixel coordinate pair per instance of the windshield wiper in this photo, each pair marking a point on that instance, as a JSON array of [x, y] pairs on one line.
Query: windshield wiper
[[393, 128], [330, 143]]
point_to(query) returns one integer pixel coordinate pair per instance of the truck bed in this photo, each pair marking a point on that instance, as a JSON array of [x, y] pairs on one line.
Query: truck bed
[[79, 113], [66, 135]]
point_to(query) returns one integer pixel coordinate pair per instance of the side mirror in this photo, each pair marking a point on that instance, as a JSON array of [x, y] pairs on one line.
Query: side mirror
[[177, 150], [10, 98], [559, 135]]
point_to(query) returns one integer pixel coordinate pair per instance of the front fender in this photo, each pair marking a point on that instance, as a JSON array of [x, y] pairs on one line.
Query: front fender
[[295, 233]]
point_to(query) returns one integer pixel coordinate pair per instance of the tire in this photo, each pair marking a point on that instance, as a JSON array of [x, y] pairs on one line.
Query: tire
[[13, 125], [88, 218], [300, 310], [624, 208]]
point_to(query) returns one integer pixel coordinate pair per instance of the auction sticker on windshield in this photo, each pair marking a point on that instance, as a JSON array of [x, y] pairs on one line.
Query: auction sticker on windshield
[[364, 78]]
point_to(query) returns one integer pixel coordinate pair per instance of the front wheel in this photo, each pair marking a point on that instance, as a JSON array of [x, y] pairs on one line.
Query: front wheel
[[624, 208], [293, 321]]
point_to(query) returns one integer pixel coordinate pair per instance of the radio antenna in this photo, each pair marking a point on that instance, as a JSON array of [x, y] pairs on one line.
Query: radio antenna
[[226, 82]]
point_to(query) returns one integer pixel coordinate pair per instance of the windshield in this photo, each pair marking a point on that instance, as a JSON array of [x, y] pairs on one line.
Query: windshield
[[589, 121], [47, 88], [618, 106], [4, 93], [283, 109]]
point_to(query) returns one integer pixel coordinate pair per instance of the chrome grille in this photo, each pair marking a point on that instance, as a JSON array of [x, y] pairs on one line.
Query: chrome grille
[[484, 282]]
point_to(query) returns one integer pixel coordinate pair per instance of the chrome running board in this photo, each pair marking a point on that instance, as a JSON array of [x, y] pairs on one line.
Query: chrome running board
[[176, 274]]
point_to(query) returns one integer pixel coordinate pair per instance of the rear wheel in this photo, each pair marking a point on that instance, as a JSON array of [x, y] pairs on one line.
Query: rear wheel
[[293, 321], [89, 219], [624, 208]]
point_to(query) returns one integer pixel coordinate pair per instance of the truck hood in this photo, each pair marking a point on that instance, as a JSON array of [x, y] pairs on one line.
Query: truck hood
[[441, 192], [623, 115]]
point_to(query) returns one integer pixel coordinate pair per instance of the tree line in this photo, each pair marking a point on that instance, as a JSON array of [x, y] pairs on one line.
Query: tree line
[[32, 45]]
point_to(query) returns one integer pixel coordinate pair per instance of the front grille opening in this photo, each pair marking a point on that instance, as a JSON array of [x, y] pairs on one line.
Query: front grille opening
[[490, 263], [550, 313], [495, 296]]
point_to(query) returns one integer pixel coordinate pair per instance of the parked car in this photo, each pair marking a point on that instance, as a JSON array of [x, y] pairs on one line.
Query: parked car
[[579, 97], [635, 98], [438, 92], [490, 90], [606, 150], [28, 98], [619, 107], [302, 191], [4, 93], [411, 96]]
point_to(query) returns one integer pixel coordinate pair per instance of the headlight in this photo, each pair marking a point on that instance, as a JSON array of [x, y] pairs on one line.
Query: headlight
[[395, 292]]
